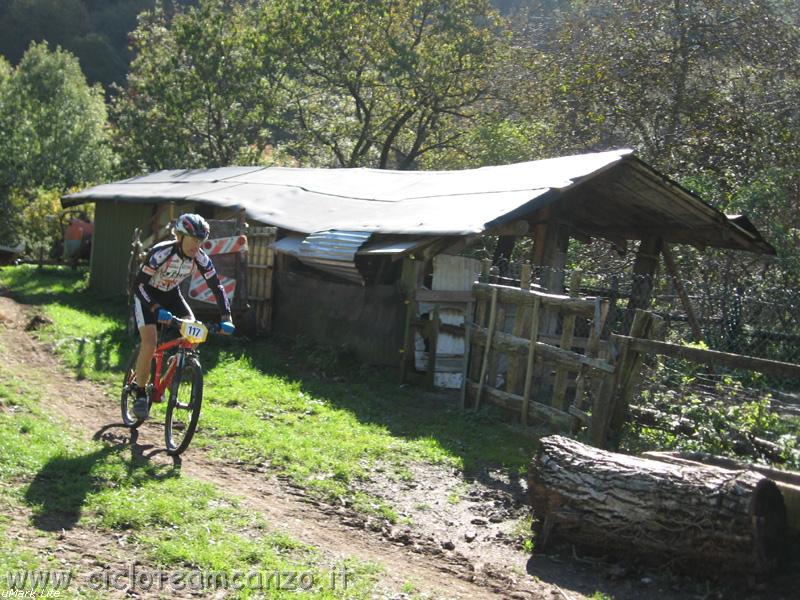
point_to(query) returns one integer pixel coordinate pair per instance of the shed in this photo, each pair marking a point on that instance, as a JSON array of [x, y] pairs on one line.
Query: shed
[[352, 243]]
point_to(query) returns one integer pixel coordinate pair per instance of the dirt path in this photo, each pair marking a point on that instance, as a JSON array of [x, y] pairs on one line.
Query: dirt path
[[432, 555]]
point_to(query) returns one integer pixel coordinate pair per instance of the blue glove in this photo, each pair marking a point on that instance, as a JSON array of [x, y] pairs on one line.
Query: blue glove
[[164, 316], [227, 328]]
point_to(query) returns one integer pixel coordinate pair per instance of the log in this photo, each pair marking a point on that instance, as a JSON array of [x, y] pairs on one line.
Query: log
[[697, 519], [788, 482]]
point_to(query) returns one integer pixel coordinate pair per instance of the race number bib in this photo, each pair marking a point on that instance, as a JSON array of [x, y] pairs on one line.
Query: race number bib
[[196, 333]]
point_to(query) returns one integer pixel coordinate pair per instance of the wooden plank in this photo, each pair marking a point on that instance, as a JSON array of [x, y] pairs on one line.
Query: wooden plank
[[551, 354], [567, 333], [512, 295], [515, 365], [488, 348], [494, 359], [630, 366], [672, 269], [714, 357], [532, 344], [536, 410], [602, 308], [455, 296]]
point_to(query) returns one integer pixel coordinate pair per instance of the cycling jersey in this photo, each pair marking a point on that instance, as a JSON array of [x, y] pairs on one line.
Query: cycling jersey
[[165, 267]]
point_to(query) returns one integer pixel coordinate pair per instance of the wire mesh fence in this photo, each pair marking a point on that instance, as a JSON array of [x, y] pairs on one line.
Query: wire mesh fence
[[724, 301]]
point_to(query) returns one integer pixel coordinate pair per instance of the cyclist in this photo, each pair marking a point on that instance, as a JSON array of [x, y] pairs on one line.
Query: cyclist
[[157, 297]]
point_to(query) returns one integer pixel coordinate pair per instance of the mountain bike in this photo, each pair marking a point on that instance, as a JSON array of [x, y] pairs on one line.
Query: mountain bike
[[175, 368]]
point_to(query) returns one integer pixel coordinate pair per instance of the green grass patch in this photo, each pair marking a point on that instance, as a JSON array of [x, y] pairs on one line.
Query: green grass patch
[[174, 522], [268, 404]]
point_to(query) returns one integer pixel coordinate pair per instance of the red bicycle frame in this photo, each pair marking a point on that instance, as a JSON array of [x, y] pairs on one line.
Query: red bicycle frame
[[161, 384]]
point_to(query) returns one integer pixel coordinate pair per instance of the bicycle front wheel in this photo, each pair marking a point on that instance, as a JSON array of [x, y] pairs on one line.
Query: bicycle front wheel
[[183, 408]]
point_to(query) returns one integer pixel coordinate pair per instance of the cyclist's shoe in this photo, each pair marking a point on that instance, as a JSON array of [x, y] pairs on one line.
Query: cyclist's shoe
[[141, 407]]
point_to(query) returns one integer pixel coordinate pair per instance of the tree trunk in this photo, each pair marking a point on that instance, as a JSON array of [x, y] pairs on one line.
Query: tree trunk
[[694, 518]]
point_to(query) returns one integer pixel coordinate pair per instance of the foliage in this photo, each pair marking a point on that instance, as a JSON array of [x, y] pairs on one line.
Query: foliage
[[53, 132], [726, 420], [39, 216], [202, 91], [95, 31], [383, 83]]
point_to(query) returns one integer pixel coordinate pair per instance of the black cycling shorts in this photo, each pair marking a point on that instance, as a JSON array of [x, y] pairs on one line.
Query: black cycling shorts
[[172, 300]]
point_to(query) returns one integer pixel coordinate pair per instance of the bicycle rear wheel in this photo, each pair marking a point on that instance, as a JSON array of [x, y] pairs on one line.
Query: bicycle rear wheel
[[183, 408]]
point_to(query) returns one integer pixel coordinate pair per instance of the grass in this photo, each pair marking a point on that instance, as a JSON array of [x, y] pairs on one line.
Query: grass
[[265, 404], [171, 521]]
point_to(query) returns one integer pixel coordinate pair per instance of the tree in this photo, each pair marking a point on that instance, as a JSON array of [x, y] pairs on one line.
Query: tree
[[53, 131], [202, 90], [701, 86], [383, 83]]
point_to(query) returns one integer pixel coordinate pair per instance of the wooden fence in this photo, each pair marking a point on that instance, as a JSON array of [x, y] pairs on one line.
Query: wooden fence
[[260, 268], [519, 360]]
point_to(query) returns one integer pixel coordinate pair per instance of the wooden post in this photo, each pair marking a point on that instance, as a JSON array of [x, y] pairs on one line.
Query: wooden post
[[630, 367], [494, 359], [515, 364], [603, 404], [407, 351], [480, 319], [672, 269], [468, 324], [550, 244], [488, 349], [601, 312], [526, 395], [433, 342], [644, 270], [567, 333]]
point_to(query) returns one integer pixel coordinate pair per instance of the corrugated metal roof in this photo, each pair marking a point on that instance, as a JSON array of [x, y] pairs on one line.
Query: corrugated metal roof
[[331, 251]]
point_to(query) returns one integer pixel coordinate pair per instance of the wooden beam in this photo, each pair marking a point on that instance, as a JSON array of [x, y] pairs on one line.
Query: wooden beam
[[552, 354], [487, 349], [444, 296], [672, 269], [513, 295], [515, 228], [644, 270], [714, 357], [567, 333], [468, 316], [526, 395], [536, 410], [515, 364]]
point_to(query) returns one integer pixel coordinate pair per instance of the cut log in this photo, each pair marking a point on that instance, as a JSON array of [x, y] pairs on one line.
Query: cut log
[[693, 518]]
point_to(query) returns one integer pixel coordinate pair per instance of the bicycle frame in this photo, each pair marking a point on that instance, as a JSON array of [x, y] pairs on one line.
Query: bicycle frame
[[161, 384]]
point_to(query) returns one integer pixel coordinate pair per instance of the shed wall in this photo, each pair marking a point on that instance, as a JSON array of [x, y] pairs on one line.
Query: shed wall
[[368, 320], [111, 245]]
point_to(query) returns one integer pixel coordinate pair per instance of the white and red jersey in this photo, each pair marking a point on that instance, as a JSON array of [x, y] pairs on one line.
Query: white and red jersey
[[166, 267]]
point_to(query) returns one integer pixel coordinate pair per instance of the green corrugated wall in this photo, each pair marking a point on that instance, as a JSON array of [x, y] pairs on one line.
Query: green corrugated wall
[[114, 223]]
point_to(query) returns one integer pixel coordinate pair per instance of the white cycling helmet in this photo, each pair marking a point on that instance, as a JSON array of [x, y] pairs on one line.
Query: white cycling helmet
[[193, 225]]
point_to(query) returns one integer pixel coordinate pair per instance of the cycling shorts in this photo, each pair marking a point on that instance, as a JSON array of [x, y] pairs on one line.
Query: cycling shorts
[[172, 300]]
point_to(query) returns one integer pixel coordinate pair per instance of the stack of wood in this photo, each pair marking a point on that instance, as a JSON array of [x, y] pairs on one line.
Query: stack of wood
[[691, 517]]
